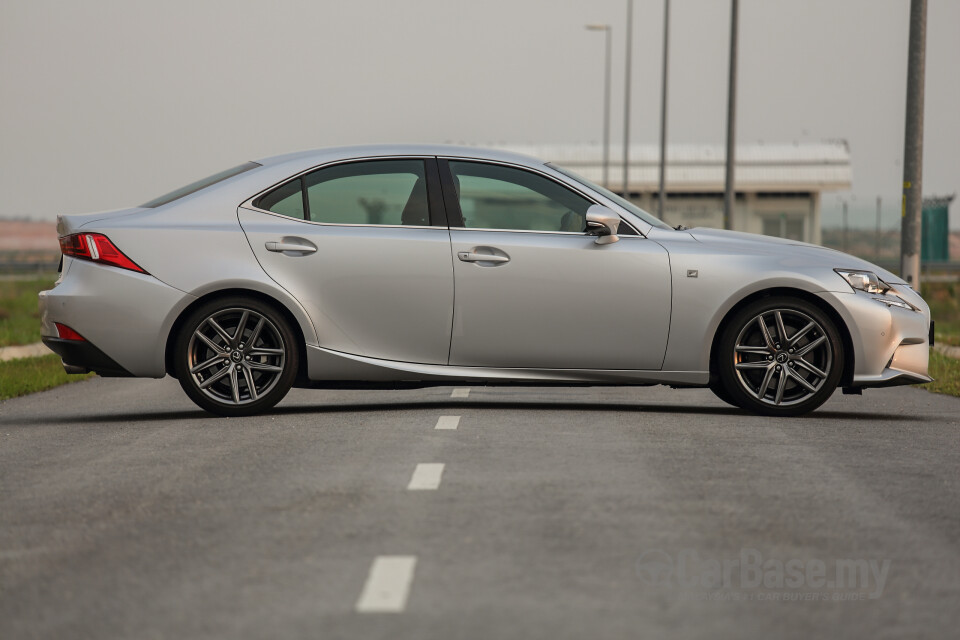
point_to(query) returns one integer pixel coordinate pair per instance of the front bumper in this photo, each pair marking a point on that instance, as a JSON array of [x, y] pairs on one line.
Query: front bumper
[[891, 345]]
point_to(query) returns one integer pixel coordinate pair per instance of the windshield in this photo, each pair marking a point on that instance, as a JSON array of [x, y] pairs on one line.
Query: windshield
[[193, 187], [649, 218]]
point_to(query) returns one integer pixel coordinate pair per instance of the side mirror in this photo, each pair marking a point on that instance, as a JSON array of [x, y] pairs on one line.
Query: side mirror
[[603, 223]]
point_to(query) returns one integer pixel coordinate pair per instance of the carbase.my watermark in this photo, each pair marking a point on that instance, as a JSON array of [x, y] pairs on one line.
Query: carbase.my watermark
[[739, 577]]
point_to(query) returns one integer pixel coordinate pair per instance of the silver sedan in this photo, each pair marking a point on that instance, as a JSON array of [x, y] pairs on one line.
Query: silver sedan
[[394, 266]]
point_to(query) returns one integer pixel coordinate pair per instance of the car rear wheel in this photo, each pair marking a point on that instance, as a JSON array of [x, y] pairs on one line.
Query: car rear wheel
[[780, 357], [236, 356]]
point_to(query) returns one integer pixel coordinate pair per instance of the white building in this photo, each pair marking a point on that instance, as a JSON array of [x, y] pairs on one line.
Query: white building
[[778, 186]]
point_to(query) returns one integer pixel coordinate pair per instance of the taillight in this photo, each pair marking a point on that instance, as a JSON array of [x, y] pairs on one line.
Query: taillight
[[66, 333], [96, 247]]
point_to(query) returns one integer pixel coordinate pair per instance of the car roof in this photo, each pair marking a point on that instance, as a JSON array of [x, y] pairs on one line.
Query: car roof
[[317, 156]]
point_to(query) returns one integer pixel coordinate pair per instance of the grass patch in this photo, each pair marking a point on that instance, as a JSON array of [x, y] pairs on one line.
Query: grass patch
[[28, 375], [19, 313], [944, 301], [945, 372]]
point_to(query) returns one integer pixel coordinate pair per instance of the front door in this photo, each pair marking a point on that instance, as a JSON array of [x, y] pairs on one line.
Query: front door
[[365, 249], [533, 291]]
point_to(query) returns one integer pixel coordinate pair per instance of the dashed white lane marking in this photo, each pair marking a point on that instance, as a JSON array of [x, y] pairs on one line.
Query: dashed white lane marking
[[460, 393], [448, 422], [426, 476], [388, 585]]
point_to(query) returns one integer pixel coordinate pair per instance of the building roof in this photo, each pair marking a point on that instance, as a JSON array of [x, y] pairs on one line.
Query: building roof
[[760, 167]]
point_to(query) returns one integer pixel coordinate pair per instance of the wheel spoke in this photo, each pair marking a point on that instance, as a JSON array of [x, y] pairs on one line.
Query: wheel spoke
[[781, 330], [261, 366], [252, 388], [266, 352], [217, 376], [238, 335], [801, 333], [766, 334], [803, 381], [765, 385], [204, 365], [809, 367], [256, 332], [210, 343], [781, 385], [759, 364], [746, 348], [234, 385], [810, 346], [220, 330]]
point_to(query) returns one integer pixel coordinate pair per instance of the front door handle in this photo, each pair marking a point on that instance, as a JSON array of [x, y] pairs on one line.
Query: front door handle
[[472, 256], [280, 247]]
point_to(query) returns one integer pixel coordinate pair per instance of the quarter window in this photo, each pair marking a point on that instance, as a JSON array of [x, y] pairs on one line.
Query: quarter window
[[498, 197], [286, 200]]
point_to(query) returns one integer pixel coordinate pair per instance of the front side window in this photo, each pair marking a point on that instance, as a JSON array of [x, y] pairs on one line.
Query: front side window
[[498, 197], [650, 219]]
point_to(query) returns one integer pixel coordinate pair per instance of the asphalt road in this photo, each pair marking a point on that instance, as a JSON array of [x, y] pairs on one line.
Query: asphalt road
[[558, 513]]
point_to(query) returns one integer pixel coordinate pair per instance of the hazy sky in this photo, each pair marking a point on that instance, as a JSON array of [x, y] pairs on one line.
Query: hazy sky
[[106, 104]]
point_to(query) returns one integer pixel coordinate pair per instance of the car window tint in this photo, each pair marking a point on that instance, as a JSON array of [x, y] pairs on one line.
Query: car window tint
[[392, 192], [286, 200], [498, 197]]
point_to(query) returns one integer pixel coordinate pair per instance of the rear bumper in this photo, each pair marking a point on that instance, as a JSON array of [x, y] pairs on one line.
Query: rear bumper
[[124, 316], [82, 357]]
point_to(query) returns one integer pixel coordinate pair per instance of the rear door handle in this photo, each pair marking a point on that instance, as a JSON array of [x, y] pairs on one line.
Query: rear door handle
[[280, 247], [470, 256]]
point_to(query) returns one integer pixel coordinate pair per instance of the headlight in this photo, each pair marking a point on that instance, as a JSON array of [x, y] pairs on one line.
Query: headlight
[[863, 281]]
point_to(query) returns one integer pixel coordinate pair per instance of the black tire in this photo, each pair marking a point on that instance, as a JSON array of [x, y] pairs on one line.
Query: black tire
[[225, 372], [788, 370], [716, 385]]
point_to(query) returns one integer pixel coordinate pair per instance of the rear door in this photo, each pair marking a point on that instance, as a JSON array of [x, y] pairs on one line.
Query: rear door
[[364, 247], [533, 291]]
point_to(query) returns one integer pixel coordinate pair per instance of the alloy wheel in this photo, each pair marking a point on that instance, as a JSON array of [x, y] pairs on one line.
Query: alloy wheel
[[236, 356], [782, 357]]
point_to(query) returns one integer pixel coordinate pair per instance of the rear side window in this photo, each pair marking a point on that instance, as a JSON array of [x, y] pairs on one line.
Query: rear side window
[[193, 187], [377, 192]]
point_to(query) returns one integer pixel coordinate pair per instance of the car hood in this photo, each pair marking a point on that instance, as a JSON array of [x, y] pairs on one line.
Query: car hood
[[815, 254]]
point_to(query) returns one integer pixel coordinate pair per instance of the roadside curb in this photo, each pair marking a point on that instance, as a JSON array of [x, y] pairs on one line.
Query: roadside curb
[[947, 350], [34, 350]]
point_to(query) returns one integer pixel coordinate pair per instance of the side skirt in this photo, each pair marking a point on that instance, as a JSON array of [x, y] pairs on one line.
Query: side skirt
[[326, 366]]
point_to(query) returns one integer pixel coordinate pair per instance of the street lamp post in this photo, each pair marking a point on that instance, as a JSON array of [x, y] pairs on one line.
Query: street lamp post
[[661, 194], [626, 102], [729, 197], [912, 200], [606, 101]]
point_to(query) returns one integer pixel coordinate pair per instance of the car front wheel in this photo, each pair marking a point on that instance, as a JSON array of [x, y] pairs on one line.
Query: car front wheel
[[236, 356], [780, 357]]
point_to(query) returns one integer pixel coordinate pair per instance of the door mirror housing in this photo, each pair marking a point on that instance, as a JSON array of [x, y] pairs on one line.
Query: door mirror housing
[[603, 223]]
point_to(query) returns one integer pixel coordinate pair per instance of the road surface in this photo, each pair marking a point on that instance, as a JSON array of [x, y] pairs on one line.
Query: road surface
[[482, 513]]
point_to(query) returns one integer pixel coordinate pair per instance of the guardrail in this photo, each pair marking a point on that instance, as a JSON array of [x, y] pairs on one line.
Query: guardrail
[[28, 267]]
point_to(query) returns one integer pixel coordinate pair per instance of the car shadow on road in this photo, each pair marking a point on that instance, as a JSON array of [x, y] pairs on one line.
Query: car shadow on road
[[459, 405]]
